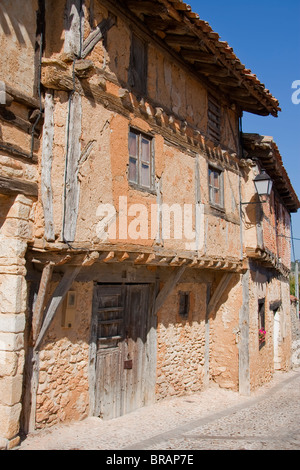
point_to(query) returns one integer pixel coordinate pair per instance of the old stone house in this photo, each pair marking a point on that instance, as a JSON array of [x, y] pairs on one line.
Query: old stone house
[[137, 261]]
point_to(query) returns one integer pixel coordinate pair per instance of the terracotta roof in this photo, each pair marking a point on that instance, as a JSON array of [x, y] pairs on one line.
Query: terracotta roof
[[264, 149], [193, 39]]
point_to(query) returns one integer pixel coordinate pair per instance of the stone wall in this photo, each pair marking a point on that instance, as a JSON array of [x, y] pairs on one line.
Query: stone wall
[[181, 344], [15, 232], [295, 322], [263, 359], [224, 337], [63, 385]]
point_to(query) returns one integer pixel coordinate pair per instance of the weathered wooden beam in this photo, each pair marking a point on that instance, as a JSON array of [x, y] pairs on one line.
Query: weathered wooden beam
[[37, 315], [97, 34], [55, 301], [12, 186], [21, 97], [220, 289], [179, 40], [46, 167], [146, 8], [72, 184], [10, 117], [198, 56], [168, 287], [17, 151]]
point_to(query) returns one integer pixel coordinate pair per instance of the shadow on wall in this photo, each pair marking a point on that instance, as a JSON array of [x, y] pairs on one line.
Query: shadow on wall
[[6, 203], [11, 21]]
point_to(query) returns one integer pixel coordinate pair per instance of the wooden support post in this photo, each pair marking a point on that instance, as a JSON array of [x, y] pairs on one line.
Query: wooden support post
[[97, 34], [57, 298], [220, 289], [72, 185], [46, 165], [40, 301], [168, 287]]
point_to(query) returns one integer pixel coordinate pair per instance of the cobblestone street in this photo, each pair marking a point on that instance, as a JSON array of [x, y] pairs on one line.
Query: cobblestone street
[[215, 419]]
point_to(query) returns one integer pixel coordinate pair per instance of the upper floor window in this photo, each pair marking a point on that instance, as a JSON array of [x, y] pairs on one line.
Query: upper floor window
[[214, 119], [215, 183], [141, 160], [137, 74]]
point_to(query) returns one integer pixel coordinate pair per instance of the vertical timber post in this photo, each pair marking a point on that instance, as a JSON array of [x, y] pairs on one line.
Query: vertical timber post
[[244, 356]]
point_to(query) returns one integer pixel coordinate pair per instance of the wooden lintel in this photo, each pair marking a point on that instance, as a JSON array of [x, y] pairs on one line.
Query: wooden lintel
[[13, 186], [168, 287]]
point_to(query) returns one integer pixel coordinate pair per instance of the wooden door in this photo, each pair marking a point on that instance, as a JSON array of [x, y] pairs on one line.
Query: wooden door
[[124, 334]]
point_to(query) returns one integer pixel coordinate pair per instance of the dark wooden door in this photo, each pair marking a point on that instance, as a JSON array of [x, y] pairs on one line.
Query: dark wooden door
[[124, 335]]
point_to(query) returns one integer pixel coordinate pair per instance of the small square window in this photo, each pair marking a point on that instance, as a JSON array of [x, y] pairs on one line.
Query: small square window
[[215, 183], [184, 304], [141, 160]]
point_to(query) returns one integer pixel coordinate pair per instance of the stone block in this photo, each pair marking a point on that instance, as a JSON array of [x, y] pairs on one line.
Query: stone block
[[19, 210], [12, 248], [11, 341], [9, 362], [9, 420], [12, 294], [17, 228], [10, 390], [10, 323]]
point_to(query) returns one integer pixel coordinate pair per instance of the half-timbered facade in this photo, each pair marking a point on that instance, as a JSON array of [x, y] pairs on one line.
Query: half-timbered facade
[[131, 268]]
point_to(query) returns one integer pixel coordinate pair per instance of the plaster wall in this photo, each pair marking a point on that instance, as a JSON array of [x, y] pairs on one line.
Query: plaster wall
[[17, 43], [63, 384], [181, 343], [15, 232]]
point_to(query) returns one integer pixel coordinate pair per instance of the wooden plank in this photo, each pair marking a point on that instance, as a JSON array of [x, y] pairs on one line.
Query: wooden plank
[[46, 167], [21, 97], [57, 298], [168, 287], [17, 151], [12, 186]]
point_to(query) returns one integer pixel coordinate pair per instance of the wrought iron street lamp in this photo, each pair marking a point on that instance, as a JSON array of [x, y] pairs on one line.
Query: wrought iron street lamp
[[263, 185]]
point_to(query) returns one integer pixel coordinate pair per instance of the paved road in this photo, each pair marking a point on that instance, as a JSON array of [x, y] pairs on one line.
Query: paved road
[[214, 419], [269, 422]]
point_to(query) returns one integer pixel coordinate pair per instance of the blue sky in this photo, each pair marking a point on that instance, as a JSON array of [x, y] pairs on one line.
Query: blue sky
[[265, 36]]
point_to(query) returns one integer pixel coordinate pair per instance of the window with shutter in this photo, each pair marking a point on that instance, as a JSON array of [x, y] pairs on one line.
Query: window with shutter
[[214, 120], [141, 160], [215, 183]]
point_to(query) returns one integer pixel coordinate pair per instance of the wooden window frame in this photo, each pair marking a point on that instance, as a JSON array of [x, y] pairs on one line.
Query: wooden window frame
[[212, 188], [138, 158]]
